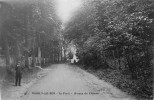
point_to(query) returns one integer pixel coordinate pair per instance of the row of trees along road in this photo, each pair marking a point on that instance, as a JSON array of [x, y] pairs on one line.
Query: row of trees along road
[[115, 34], [30, 29]]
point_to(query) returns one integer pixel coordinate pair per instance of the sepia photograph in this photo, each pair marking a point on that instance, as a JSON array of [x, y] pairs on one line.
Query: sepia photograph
[[76, 49]]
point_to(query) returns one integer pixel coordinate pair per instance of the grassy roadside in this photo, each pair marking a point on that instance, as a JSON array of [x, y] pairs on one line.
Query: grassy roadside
[[122, 79], [10, 91]]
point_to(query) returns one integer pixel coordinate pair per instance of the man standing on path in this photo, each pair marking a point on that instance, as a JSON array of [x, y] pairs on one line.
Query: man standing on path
[[18, 76]]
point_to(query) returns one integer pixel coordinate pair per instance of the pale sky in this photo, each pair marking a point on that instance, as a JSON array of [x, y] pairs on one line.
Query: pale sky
[[65, 8]]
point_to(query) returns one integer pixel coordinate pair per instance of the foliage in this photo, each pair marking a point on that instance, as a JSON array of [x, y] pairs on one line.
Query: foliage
[[28, 29], [106, 31]]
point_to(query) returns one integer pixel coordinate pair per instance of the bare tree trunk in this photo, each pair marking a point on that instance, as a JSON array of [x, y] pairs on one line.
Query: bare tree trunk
[[7, 53], [53, 55], [39, 56], [26, 38], [61, 55], [58, 55], [33, 53], [64, 54], [114, 57]]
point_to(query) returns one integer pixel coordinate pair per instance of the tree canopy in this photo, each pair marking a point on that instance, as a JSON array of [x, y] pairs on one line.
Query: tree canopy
[[106, 30], [28, 29]]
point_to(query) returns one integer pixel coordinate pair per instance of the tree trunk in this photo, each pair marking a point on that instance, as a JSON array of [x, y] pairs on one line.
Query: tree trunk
[[64, 54], [39, 56], [131, 66], [26, 20], [7, 53], [33, 53], [61, 55]]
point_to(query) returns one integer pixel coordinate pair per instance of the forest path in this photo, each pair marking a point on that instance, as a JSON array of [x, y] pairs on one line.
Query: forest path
[[67, 82]]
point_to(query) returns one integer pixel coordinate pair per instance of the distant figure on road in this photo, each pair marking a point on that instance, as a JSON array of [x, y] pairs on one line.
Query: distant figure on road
[[18, 76], [74, 61]]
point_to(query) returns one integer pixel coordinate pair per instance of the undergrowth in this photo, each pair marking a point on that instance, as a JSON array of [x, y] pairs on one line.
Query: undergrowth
[[141, 89]]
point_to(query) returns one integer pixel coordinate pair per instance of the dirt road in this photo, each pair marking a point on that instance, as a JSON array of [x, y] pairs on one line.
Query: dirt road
[[66, 82]]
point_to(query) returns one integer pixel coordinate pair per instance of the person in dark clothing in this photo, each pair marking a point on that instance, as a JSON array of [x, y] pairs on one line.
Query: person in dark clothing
[[74, 61], [18, 76]]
